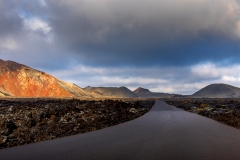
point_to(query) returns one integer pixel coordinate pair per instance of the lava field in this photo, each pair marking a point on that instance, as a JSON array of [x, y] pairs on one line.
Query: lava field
[[30, 121], [226, 111]]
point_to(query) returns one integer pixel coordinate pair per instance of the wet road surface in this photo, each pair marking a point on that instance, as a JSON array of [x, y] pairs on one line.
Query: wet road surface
[[164, 133]]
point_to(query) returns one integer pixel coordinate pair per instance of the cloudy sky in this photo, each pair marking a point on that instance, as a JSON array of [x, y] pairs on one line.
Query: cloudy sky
[[175, 46]]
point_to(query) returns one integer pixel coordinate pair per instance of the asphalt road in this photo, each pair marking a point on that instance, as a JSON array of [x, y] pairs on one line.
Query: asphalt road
[[164, 133]]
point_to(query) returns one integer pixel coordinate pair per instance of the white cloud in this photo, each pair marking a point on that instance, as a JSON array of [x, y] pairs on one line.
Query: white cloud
[[231, 78], [211, 70], [168, 80], [43, 3], [154, 78], [211, 73], [36, 24], [8, 44], [207, 70], [181, 88], [132, 80], [135, 22]]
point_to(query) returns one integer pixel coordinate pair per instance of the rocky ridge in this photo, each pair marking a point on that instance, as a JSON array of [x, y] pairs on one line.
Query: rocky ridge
[[145, 93], [18, 80], [116, 92]]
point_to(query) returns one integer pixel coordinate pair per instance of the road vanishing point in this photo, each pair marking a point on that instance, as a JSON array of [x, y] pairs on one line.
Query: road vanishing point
[[164, 133]]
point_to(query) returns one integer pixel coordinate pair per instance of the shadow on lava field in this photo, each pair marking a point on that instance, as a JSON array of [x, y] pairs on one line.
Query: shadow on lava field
[[226, 111], [24, 121]]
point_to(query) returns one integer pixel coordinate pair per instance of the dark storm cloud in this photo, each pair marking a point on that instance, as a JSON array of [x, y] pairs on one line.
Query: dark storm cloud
[[25, 35], [133, 33], [166, 46], [10, 23], [147, 32]]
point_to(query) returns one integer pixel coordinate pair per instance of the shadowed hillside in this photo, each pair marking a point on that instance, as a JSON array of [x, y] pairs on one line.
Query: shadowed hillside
[[22, 81], [145, 93], [218, 91], [121, 92]]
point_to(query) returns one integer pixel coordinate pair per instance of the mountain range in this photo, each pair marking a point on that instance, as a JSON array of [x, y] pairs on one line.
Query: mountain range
[[110, 92], [18, 80], [145, 93]]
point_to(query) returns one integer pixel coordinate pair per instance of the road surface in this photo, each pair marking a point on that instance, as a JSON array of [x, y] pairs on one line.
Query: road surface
[[164, 133]]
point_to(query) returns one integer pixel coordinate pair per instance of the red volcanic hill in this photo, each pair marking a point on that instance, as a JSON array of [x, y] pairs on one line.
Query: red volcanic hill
[[145, 93], [22, 81], [141, 90]]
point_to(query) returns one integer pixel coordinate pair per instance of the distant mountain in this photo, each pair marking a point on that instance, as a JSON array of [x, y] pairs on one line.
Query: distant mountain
[[141, 91], [145, 93], [218, 91], [121, 92], [19, 80]]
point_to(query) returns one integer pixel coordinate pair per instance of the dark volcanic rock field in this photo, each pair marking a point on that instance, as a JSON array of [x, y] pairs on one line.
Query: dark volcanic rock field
[[29, 121], [226, 111]]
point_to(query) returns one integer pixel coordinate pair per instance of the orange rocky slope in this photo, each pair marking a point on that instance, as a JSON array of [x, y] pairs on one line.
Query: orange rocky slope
[[22, 81]]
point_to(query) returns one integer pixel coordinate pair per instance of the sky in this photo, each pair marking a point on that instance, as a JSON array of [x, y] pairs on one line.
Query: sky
[[173, 46]]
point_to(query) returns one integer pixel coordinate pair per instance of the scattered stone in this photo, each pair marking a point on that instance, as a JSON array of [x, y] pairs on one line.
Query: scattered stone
[[226, 111], [30, 121], [133, 110]]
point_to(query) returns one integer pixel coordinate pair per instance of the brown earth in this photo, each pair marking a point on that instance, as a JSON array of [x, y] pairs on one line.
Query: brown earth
[[18, 80]]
